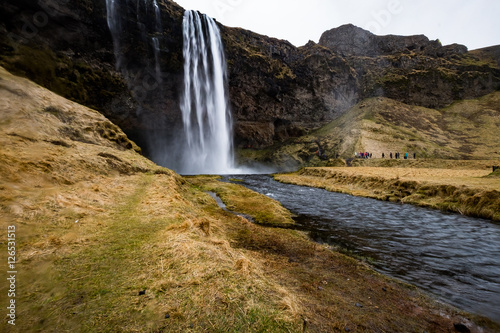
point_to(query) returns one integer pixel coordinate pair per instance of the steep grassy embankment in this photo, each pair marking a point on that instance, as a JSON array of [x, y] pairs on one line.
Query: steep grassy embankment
[[106, 241], [467, 188]]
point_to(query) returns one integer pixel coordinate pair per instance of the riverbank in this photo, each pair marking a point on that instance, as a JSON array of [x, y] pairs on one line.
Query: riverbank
[[237, 198], [465, 187]]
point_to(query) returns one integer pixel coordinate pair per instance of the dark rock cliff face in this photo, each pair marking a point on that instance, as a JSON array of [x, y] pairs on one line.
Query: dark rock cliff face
[[412, 69], [277, 90]]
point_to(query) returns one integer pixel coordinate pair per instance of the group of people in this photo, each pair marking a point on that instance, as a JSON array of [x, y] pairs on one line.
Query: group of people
[[398, 155], [363, 155], [391, 155]]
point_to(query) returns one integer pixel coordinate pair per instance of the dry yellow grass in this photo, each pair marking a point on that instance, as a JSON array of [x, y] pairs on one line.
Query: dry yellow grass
[[469, 177]]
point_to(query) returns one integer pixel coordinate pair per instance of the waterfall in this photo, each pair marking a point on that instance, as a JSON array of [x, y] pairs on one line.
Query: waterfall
[[115, 27], [203, 142], [204, 103], [118, 22], [157, 16], [156, 47]]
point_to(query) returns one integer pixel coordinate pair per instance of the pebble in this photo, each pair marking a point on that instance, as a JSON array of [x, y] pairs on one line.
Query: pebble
[[167, 316]]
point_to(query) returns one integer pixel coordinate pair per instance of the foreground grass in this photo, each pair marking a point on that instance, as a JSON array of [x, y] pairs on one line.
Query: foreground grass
[[152, 253], [154, 261], [471, 191]]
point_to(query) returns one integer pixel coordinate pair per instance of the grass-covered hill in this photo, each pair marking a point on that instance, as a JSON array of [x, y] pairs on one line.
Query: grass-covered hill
[[466, 129]]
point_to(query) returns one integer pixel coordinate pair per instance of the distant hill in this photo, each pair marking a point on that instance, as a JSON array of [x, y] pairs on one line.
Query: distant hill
[[464, 130]]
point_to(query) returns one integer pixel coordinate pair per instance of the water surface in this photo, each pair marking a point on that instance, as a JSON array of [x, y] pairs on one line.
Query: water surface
[[457, 258]]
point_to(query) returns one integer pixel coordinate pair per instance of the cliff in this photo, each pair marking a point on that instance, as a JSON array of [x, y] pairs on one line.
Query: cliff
[[291, 90], [277, 90]]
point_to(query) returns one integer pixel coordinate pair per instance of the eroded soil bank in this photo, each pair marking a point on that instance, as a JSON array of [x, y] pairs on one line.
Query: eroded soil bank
[[468, 188]]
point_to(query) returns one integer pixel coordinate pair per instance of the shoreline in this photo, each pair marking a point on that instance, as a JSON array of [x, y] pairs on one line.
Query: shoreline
[[281, 239], [468, 191]]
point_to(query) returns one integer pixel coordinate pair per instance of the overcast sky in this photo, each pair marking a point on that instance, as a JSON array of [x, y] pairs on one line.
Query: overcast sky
[[474, 23]]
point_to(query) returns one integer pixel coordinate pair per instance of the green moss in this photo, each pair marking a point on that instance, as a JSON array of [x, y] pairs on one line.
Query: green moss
[[71, 78], [238, 198], [495, 174]]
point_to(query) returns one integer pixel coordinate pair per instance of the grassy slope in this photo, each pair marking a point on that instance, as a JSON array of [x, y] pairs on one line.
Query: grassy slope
[[96, 224], [464, 130], [471, 191]]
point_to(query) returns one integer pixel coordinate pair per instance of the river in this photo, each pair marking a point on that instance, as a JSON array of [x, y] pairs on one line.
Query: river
[[454, 257]]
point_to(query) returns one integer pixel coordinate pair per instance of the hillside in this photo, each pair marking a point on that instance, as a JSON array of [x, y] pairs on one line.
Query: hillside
[[464, 130], [108, 241]]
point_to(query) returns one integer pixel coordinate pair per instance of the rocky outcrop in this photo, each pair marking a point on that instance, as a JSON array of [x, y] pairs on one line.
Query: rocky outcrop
[[282, 90], [277, 91], [349, 40], [412, 69]]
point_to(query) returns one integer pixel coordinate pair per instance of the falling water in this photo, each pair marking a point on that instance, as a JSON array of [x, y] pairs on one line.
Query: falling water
[[156, 41], [156, 49], [157, 16], [119, 26], [204, 144], [115, 27], [205, 109]]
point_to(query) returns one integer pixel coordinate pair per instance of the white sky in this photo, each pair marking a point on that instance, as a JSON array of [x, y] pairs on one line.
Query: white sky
[[474, 23]]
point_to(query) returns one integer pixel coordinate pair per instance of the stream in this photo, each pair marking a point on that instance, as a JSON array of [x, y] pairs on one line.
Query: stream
[[454, 257]]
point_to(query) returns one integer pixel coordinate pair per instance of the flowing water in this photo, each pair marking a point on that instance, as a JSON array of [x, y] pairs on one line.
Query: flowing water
[[457, 258], [119, 26], [205, 108]]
